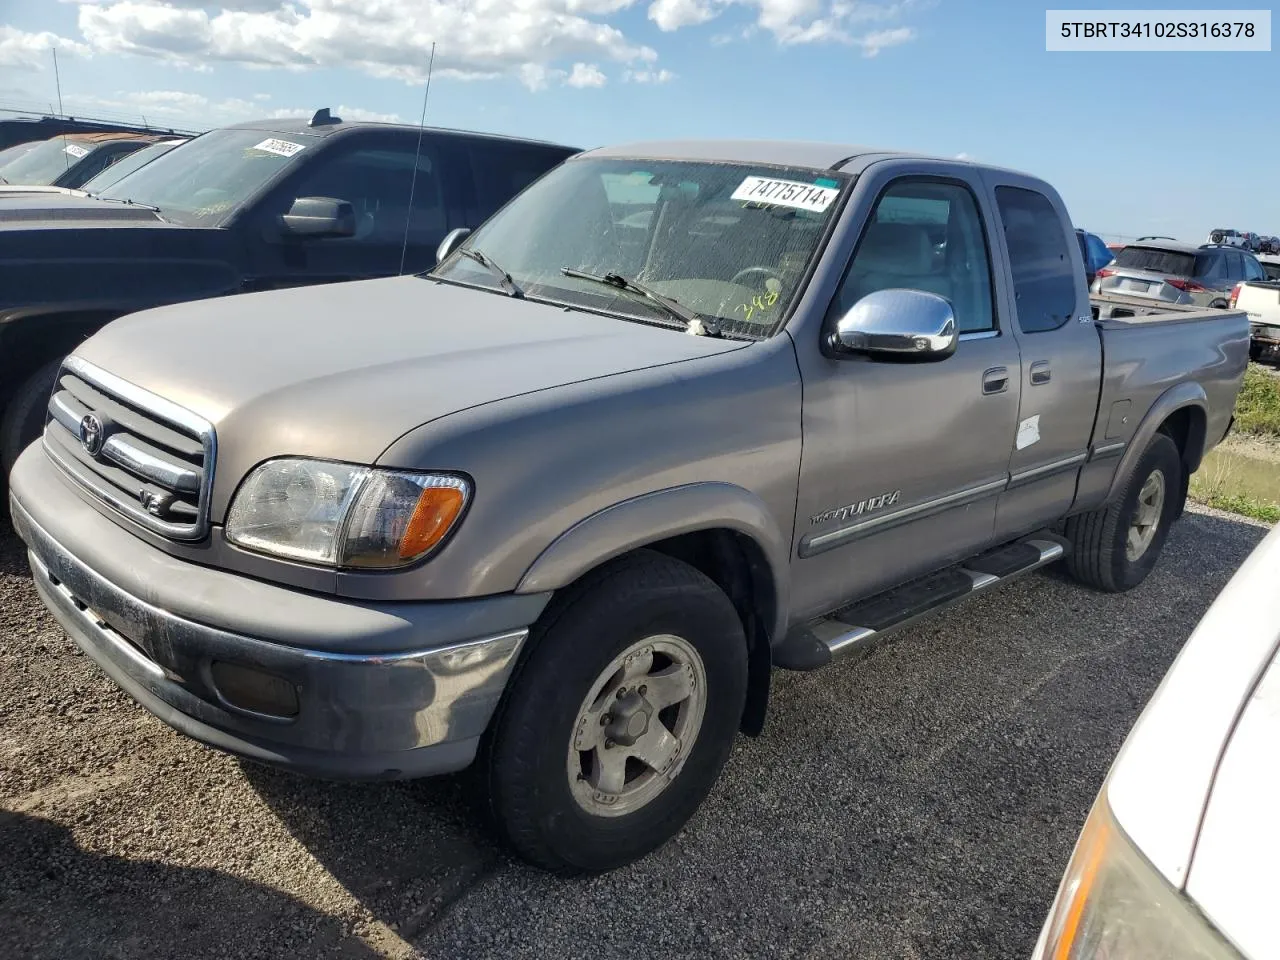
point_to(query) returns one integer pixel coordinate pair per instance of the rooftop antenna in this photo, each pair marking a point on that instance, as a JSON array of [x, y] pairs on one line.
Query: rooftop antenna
[[413, 180], [57, 79]]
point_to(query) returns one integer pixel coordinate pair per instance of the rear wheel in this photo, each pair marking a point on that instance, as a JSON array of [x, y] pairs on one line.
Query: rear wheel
[[617, 723], [25, 415], [1116, 547]]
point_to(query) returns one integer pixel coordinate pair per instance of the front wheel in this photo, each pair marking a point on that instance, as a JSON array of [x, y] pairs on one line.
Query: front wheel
[[619, 719], [1116, 547]]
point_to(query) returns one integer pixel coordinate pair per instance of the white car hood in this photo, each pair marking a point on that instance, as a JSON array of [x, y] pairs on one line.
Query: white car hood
[[1195, 784], [1160, 782], [1234, 877]]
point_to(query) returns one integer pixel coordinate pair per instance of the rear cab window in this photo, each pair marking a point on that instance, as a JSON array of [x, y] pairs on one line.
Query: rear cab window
[[1043, 276]]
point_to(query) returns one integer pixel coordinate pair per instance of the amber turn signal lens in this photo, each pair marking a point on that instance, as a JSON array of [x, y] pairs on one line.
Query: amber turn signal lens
[[437, 508]]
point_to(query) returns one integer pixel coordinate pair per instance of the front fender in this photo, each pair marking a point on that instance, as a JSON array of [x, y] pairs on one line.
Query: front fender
[[655, 516], [1187, 394]]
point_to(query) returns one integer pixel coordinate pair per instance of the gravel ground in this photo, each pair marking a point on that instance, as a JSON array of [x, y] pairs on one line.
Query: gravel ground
[[920, 803]]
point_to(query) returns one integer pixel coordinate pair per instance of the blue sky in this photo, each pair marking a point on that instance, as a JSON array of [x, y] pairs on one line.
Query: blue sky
[[1137, 143]]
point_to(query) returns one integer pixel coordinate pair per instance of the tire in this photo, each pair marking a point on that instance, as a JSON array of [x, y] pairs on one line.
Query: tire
[[1099, 556], [25, 415], [1219, 304], [550, 811], [1215, 238]]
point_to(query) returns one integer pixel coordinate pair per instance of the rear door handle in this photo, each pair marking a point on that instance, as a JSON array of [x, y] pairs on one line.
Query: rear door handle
[[1040, 372], [995, 380]]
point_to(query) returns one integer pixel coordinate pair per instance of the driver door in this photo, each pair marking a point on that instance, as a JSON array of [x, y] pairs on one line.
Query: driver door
[[903, 462]]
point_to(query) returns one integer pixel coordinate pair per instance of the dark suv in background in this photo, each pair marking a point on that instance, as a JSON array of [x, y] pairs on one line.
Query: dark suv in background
[[257, 206], [1178, 272]]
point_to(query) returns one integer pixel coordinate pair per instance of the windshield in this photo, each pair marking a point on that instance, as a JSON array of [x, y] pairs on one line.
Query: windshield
[[10, 154], [211, 176], [729, 242], [1158, 261], [45, 163], [126, 165]]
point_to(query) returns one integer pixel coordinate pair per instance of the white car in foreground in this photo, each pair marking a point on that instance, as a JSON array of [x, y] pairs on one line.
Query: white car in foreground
[[1180, 856]]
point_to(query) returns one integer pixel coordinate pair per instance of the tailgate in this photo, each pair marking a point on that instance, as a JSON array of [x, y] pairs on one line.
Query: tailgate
[[1261, 301]]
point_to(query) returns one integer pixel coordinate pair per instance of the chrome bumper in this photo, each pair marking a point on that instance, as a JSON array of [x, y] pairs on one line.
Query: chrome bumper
[[406, 713]]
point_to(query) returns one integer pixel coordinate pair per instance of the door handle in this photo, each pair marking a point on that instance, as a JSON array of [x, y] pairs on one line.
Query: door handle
[[995, 380], [1040, 372]]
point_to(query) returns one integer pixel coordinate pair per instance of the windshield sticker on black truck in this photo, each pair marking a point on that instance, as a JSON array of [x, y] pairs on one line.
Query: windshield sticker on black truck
[[785, 193], [75, 150], [283, 148]]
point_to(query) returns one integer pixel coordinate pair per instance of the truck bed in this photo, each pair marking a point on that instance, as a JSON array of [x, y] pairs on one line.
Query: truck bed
[[1186, 348], [1119, 306]]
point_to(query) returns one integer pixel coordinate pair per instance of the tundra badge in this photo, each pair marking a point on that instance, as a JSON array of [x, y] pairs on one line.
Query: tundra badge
[[854, 509]]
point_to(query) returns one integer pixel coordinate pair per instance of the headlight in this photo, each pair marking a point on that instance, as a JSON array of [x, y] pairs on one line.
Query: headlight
[[341, 515], [1113, 903]]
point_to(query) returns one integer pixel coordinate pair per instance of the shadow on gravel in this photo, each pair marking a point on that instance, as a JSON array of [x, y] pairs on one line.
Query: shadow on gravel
[[406, 849], [58, 900], [13, 552]]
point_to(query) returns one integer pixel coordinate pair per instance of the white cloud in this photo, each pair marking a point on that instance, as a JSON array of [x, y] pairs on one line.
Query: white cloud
[[30, 51], [648, 76], [873, 43], [539, 42], [673, 14], [586, 75], [385, 38], [793, 22]]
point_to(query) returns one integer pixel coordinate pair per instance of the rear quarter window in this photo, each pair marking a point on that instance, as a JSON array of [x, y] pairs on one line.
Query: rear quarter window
[[1043, 274]]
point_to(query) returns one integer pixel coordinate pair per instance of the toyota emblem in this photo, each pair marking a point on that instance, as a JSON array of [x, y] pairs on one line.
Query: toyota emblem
[[92, 434]]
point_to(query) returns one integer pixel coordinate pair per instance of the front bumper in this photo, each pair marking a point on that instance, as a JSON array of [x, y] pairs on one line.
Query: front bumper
[[414, 710]]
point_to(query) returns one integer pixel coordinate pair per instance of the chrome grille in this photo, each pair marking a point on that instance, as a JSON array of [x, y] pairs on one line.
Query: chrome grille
[[146, 457]]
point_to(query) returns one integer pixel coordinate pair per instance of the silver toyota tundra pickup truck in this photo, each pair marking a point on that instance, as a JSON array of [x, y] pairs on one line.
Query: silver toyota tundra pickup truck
[[677, 414]]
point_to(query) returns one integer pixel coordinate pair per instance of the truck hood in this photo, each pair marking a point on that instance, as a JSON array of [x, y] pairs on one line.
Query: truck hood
[[22, 206], [342, 371], [59, 251]]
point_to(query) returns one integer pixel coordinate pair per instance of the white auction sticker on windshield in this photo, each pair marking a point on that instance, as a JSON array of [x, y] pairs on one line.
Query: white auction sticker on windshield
[[75, 150], [785, 193], [283, 148]]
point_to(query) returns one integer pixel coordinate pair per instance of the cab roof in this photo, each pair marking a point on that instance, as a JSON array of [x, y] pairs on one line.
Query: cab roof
[[301, 126], [817, 155]]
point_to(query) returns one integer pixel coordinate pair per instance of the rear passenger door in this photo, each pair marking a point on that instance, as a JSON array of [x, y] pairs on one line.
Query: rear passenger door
[[1061, 354]]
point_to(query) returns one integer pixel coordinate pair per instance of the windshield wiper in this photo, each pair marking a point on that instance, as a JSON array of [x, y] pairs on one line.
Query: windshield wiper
[[132, 203], [504, 278], [692, 322]]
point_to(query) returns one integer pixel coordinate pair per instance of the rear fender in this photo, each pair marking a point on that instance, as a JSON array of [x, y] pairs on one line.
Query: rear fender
[[1187, 394]]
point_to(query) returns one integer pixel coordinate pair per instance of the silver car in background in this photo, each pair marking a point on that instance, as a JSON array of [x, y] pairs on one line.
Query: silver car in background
[[1178, 857], [1176, 272]]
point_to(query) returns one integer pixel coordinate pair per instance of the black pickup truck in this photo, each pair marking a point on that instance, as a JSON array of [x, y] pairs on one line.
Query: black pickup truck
[[257, 206]]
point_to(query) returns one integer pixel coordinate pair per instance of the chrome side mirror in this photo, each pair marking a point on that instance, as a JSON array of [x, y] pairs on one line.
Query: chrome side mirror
[[450, 242], [897, 325]]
